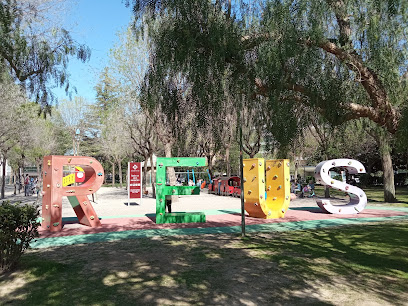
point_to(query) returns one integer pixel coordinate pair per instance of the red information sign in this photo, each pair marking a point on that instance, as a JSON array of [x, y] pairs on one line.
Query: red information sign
[[135, 181]]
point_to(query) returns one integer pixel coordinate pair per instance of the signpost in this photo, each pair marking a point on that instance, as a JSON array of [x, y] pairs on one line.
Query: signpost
[[135, 181]]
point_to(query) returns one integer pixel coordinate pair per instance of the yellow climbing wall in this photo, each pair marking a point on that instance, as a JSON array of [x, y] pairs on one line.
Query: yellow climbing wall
[[277, 187], [254, 186]]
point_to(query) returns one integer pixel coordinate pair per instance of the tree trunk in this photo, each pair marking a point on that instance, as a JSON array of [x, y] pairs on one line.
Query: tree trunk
[[120, 173], [153, 176], [227, 161], [388, 178], [3, 178], [15, 182], [113, 173], [296, 172], [170, 170], [144, 181], [19, 180]]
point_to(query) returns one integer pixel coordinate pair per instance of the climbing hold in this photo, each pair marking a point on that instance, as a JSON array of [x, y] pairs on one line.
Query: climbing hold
[[55, 205], [249, 191], [356, 209], [256, 204], [243, 165], [197, 163], [283, 210], [46, 207], [161, 214], [349, 163], [58, 185], [49, 162], [332, 182], [333, 163], [244, 179], [253, 166], [174, 190], [55, 169], [85, 203], [90, 189], [160, 165], [45, 173], [274, 199], [268, 168], [91, 217], [48, 185], [340, 210], [288, 164], [90, 161], [99, 173], [279, 187], [347, 188], [70, 191], [260, 163], [269, 188], [178, 160], [56, 224], [280, 164], [161, 200], [263, 181], [269, 213], [287, 197], [69, 160], [254, 178], [275, 177], [261, 197]]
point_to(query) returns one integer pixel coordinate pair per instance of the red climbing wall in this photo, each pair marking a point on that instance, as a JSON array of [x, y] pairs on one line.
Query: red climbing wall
[[53, 190]]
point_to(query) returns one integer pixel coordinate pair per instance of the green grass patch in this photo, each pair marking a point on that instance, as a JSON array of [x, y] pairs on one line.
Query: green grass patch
[[264, 268], [375, 195]]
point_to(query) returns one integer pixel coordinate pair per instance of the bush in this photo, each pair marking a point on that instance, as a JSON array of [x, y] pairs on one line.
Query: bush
[[18, 227]]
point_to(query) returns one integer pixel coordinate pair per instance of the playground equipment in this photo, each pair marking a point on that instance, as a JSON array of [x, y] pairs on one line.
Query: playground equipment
[[278, 187], [162, 190], [88, 171], [357, 203], [226, 186]]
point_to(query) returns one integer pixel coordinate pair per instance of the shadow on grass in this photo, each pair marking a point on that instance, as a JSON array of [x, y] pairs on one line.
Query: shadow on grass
[[265, 268]]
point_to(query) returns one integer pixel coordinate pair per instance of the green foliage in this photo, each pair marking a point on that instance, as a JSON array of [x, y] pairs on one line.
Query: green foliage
[[36, 59], [18, 227], [278, 50]]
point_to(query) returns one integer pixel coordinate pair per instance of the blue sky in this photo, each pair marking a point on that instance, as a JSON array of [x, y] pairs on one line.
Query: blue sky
[[94, 23]]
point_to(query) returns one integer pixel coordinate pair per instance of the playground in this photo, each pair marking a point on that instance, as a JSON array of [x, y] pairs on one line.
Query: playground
[[307, 257]]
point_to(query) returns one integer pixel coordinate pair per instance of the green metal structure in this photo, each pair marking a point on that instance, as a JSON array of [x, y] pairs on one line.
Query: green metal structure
[[162, 190]]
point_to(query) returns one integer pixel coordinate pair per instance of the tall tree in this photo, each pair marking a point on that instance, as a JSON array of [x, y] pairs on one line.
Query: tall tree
[[345, 59], [33, 52]]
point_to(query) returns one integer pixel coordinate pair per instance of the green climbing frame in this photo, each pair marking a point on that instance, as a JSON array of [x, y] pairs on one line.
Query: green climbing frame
[[162, 190]]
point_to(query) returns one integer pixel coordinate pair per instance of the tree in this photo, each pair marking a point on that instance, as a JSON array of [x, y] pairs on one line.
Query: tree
[[73, 115], [33, 52], [115, 140], [343, 59], [13, 121]]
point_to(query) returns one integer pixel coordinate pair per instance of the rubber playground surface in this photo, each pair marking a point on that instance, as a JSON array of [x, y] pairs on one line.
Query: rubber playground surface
[[123, 223]]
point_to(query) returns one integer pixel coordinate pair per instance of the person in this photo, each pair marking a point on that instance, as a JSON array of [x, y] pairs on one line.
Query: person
[[292, 187], [27, 185], [305, 190], [311, 188], [37, 186]]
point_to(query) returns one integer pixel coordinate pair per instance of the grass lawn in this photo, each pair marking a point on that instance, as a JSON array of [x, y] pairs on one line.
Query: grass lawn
[[375, 195], [352, 265]]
